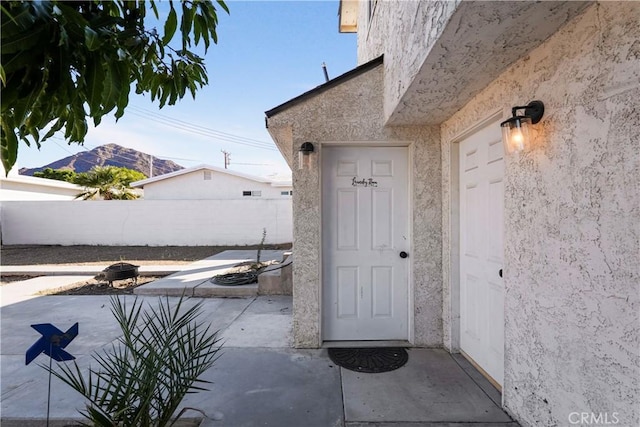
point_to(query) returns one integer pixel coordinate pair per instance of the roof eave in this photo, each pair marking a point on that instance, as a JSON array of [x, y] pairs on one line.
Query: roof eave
[[326, 86]]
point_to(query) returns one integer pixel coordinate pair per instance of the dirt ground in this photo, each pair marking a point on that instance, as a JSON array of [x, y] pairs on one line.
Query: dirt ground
[[99, 287], [100, 255]]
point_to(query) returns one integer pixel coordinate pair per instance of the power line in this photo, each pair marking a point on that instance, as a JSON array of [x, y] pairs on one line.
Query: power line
[[201, 130], [226, 134]]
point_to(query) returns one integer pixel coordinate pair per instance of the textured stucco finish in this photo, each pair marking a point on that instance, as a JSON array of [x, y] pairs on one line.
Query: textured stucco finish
[[439, 54], [405, 32], [349, 113], [572, 211], [572, 206]]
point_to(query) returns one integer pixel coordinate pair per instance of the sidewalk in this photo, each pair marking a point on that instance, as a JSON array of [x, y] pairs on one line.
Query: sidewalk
[[259, 380]]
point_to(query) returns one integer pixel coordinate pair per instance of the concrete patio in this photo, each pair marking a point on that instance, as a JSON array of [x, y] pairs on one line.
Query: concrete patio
[[259, 379]]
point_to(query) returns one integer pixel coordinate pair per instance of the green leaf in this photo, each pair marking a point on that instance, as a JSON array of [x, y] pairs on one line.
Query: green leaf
[[224, 6], [94, 80], [185, 25], [197, 29], [24, 105], [91, 39], [121, 73], [170, 26], [14, 23], [70, 14], [112, 86], [24, 41], [8, 146]]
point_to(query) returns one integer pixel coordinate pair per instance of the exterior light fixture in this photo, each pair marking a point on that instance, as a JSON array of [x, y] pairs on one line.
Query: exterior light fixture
[[515, 130], [304, 155]]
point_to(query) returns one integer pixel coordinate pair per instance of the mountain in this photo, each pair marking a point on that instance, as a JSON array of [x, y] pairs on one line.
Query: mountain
[[110, 155]]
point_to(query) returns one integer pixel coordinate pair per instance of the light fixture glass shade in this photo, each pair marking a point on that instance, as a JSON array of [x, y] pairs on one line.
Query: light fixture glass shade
[[304, 160], [515, 134], [304, 155]]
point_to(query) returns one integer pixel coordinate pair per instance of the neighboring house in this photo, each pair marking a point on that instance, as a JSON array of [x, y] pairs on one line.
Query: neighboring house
[[206, 182], [412, 225], [203, 205], [20, 187]]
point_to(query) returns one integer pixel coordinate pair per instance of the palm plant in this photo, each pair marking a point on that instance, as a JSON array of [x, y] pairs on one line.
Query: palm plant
[[144, 377], [108, 183]]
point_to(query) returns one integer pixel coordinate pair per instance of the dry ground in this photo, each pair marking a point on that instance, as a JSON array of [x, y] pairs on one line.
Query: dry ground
[[100, 255]]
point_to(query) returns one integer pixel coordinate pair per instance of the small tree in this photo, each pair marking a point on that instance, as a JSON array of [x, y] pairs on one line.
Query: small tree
[[66, 61], [67, 175], [108, 183]]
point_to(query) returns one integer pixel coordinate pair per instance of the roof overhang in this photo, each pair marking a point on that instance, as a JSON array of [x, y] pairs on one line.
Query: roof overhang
[[479, 42], [348, 13]]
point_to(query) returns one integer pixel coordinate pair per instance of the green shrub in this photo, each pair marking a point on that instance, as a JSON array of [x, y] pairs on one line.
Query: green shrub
[[141, 380]]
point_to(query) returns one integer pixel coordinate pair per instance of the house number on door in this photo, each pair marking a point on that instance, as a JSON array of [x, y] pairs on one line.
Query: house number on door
[[364, 182]]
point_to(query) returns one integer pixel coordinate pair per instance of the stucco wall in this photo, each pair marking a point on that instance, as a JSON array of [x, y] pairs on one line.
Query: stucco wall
[[193, 186], [441, 54], [352, 112], [405, 32], [146, 222], [572, 210]]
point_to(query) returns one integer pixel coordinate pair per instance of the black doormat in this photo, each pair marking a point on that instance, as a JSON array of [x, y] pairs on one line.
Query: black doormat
[[370, 360]]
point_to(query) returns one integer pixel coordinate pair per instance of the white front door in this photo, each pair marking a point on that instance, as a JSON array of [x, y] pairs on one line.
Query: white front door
[[365, 227], [481, 250]]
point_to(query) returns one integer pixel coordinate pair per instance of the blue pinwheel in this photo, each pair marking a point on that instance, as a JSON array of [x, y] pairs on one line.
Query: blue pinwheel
[[52, 342]]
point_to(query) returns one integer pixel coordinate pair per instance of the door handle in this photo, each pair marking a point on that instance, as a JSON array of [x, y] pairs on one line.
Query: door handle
[[500, 272], [403, 254]]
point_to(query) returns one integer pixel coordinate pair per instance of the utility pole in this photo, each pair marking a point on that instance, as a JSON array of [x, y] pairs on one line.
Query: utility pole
[[227, 158], [150, 165]]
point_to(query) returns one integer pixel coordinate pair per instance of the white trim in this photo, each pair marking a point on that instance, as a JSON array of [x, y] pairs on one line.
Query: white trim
[[470, 130], [411, 292], [372, 143], [454, 223]]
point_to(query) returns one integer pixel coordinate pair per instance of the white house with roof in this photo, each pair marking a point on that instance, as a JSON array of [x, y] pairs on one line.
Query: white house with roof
[[33, 188], [23, 187], [206, 182], [417, 221]]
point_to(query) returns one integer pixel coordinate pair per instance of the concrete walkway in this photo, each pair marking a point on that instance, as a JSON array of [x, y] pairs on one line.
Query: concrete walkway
[[259, 380]]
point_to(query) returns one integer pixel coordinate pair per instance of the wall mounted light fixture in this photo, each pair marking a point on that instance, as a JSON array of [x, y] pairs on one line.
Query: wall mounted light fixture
[[515, 130], [304, 155]]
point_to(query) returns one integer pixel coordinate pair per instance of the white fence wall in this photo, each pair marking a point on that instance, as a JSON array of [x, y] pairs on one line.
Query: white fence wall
[[146, 222]]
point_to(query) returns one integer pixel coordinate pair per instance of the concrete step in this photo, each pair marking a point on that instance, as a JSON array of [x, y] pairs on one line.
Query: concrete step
[[194, 280], [276, 279]]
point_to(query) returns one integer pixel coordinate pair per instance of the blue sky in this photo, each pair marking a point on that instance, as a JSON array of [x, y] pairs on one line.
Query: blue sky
[[267, 53]]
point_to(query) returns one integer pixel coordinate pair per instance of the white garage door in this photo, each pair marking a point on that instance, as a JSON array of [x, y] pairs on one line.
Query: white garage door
[[481, 250]]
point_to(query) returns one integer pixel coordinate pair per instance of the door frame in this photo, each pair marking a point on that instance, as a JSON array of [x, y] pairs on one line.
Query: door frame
[[410, 290], [453, 215]]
